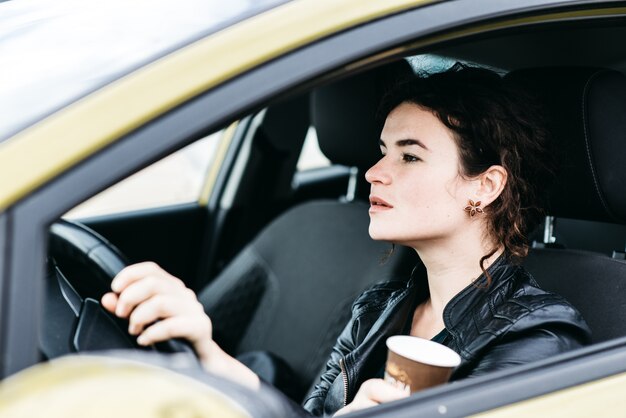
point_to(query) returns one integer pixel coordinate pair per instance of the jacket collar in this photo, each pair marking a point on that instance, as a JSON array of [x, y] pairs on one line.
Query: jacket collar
[[477, 293], [474, 303]]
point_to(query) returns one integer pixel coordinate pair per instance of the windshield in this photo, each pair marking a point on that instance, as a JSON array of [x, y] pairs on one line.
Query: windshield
[[55, 52]]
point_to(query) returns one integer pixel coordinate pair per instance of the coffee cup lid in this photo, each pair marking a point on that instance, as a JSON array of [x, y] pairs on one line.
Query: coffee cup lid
[[423, 351]]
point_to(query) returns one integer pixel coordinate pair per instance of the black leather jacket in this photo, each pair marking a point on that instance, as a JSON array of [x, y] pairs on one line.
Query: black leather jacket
[[511, 321]]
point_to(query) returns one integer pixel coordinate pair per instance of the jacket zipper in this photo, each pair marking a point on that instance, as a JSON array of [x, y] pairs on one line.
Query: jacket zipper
[[342, 366]]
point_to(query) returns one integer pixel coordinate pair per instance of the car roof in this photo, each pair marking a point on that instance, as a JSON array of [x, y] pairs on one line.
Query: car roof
[[56, 52]]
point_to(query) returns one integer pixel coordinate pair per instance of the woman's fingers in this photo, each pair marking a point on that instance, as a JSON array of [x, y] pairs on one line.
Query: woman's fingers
[[158, 307], [380, 391], [136, 272], [175, 327], [162, 330], [373, 392], [139, 282], [109, 301], [149, 311], [139, 291]]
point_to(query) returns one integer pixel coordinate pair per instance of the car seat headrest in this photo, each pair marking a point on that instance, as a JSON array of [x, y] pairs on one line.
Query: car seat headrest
[[586, 111], [285, 124], [344, 114]]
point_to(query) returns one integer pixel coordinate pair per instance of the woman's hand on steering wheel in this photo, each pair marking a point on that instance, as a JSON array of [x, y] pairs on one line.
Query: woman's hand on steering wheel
[[159, 307]]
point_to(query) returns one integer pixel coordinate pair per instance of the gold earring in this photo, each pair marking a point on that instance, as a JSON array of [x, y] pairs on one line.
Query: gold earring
[[473, 208]]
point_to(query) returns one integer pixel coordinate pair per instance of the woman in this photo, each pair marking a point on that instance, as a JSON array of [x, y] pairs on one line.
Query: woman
[[459, 181]]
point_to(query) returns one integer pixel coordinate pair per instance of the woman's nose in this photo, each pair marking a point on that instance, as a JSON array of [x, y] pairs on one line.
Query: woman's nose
[[377, 173]]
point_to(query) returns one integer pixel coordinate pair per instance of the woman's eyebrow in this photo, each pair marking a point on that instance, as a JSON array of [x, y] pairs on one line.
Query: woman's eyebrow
[[408, 142], [405, 143]]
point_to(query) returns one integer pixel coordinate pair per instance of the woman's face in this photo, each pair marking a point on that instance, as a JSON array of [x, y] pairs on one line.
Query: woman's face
[[417, 192]]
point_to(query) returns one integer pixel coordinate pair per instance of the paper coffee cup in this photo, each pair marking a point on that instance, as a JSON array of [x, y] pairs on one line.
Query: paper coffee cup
[[418, 363]]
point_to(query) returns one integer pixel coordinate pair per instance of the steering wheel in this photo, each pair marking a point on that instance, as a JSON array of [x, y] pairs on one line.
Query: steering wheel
[[81, 265]]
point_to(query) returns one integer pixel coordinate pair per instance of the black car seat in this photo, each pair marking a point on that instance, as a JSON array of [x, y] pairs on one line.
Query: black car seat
[[272, 142], [289, 291], [586, 110]]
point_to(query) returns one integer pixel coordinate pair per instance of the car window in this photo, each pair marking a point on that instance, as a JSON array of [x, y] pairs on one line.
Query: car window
[[176, 179], [433, 63], [311, 155]]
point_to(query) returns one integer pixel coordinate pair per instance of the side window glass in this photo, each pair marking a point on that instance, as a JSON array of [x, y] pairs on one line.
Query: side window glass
[[431, 63], [311, 156], [178, 178]]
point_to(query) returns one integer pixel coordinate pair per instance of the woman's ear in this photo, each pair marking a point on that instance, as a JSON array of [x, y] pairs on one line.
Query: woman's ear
[[490, 184]]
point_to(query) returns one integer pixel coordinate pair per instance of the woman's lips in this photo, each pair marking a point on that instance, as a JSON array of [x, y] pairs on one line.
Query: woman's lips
[[378, 205]]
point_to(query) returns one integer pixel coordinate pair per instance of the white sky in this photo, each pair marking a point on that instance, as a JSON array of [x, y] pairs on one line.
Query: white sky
[[53, 51]]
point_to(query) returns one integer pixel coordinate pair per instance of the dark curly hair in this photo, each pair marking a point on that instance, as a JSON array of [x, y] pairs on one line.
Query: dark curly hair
[[493, 123]]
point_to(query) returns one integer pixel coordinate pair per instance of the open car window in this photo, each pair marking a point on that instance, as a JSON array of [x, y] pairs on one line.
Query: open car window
[[176, 179]]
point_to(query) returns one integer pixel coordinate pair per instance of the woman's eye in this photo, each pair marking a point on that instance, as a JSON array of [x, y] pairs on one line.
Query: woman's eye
[[408, 158]]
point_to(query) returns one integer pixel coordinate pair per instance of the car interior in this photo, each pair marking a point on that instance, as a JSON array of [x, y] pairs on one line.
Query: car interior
[[278, 261]]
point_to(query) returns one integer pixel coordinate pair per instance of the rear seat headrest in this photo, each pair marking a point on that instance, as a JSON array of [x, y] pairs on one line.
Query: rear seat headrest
[[344, 114], [586, 110]]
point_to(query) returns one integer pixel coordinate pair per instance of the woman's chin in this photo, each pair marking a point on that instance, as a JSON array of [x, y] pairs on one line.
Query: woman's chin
[[377, 235]]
